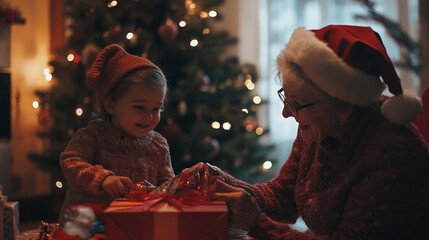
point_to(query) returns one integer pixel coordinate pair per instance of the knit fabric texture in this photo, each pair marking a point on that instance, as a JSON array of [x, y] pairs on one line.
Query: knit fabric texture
[[98, 150], [422, 121], [373, 184], [112, 64]]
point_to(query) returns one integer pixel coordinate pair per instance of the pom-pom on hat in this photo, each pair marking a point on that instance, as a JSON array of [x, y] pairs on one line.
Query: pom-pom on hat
[[112, 64], [347, 62]]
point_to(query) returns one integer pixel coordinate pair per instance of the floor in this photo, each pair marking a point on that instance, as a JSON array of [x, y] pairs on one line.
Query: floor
[[25, 226]]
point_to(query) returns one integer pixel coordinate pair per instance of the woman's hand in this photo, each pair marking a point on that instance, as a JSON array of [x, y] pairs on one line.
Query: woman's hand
[[117, 186], [212, 171], [243, 209], [199, 166]]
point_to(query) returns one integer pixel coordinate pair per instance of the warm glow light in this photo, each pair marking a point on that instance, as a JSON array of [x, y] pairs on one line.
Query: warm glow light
[[130, 35], [259, 131], [191, 11], [190, 6], [250, 86], [245, 111], [35, 104], [70, 57], [267, 165], [206, 30], [249, 127], [212, 13], [79, 111], [248, 76], [48, 77], [203, 14], [226, 125], [215, 125], [182, 23], [257, 99], [59, 184], [247, 82], [193, 43], [112, 4]]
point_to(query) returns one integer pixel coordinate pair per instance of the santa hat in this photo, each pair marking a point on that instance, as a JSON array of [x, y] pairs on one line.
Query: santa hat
[[347, 62], [112, 64]]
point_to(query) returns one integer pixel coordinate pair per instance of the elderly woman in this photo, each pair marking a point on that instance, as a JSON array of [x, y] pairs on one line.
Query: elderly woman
[[357, 169]]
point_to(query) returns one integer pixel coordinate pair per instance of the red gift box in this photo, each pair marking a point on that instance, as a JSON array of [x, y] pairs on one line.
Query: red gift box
[[162, 219]]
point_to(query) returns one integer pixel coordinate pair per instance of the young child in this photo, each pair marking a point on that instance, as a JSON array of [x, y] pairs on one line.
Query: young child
[[106, 158]]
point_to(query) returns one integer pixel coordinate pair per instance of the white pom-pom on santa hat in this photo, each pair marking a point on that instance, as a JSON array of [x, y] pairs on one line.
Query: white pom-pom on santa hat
[[402, 108], [347, 62]]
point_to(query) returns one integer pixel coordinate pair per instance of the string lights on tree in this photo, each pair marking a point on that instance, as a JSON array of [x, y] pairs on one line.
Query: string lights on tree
[[210, 109]]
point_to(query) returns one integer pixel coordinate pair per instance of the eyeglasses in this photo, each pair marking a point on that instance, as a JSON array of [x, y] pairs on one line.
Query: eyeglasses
[[293, 110]]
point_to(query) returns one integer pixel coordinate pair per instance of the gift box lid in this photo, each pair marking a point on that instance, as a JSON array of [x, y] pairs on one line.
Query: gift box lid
[[154, 205]]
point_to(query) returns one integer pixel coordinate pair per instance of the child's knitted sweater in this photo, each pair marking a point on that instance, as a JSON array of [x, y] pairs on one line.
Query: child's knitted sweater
[[98, 150]]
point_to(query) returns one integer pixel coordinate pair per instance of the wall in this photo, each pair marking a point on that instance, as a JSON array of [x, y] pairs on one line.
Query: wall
[[29, 57]]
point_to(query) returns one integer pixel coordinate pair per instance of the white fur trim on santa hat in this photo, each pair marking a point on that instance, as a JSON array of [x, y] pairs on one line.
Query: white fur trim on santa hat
[[329, 72], [402, 109]]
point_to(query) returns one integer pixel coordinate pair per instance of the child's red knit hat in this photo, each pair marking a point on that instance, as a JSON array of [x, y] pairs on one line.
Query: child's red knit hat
[[112, 64], [347, 62]]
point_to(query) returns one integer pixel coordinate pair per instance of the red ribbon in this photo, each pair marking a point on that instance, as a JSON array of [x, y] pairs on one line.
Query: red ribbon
[[178, 200]]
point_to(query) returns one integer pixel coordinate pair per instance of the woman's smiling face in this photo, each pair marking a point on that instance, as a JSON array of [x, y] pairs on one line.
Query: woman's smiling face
[[317, 121]]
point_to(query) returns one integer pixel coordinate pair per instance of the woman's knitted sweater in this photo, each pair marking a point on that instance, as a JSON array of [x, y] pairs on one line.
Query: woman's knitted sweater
[[373, 184], [98, 150]]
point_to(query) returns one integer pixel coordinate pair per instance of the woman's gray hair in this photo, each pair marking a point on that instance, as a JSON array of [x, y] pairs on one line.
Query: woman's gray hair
[[293, 72]]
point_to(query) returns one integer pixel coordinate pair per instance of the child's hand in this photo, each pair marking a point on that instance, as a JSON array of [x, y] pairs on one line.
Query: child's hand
[[117, 186]]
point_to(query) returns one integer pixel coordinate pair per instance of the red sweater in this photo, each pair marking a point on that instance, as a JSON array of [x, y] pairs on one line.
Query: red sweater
[[373, 184], [98, 150]]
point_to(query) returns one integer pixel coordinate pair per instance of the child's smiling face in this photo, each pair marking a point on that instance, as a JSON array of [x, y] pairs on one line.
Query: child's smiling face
[[138, 110]]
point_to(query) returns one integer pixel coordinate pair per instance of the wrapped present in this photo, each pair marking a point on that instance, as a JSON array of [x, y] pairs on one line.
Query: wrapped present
[[9, 218], [166, 216], [198, 179]]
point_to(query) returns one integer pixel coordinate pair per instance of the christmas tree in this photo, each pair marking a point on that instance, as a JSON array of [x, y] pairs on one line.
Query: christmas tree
[[210, 113]]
